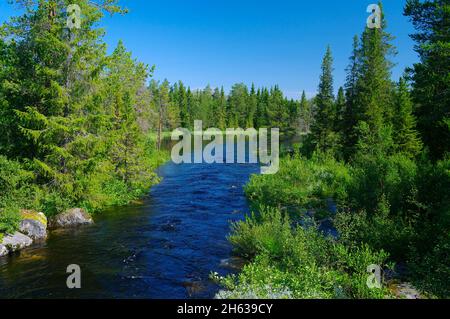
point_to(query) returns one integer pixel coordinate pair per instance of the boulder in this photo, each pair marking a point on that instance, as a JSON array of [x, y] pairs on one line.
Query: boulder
[[33, 229], [30, 214], [3, 250], [16, 242], [71, 218]]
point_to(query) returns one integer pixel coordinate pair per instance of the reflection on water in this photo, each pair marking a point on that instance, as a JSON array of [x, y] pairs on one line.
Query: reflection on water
[[165, 248]]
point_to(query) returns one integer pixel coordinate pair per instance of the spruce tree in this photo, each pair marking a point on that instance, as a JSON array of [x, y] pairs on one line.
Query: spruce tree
[[277, 110], [350, 116], [305, 114], [323, 136], [431, 77], [374, 89], [405, 134]]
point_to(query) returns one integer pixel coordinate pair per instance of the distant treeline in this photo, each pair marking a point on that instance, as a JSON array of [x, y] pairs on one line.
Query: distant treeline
[[179, 106]]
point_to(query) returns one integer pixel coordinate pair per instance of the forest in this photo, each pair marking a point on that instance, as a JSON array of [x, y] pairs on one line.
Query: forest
[[82, 128], [379, 150]]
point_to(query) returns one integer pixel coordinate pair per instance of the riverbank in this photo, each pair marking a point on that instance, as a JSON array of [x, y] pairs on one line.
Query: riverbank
[[300, 245], [20, 227], [163, 247]]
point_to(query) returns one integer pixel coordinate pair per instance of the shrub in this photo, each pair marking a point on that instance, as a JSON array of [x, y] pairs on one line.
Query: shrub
[[9, 220], [14, 190], [267, 232], [301, 184], [298, 262]]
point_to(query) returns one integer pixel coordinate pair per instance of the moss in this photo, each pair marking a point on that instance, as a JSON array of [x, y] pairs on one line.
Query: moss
[[29, 214]]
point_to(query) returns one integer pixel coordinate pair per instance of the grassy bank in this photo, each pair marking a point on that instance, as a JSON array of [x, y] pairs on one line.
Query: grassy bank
[[289, 257]]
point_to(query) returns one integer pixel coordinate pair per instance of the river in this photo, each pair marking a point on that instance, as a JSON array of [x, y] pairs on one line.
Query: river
[[165, 247]]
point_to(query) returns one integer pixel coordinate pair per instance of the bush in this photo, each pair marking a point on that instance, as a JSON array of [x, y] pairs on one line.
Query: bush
[[267, 232], [431, 271], [301, 184], [297, 262], [15, 189], [9, 221]]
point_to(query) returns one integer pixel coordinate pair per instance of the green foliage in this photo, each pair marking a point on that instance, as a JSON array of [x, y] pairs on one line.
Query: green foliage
[[405, 135], [431, 77], [301, 184], [324, 136], [75, 120], [431, 269], [9, 220], [297, 262], [267, 232], [14, 191]]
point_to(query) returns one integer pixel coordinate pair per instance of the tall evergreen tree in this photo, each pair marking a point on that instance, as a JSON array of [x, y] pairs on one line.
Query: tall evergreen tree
[[374, 88], [350, 118], [322, 133], [431, 77], [340, 111], [182, 105], [251, 108], [277, 110], [305, 114], [405, 134]]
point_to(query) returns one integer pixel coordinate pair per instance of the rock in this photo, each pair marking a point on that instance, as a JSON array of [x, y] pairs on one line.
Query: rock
[[235, 263], [71, 218], [33, 229], [16, 242], [3, 250], [407, 291], [30, 214], [194, 288]]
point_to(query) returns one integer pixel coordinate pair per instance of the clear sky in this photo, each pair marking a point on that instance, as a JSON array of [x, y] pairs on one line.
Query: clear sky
[[266, 42]]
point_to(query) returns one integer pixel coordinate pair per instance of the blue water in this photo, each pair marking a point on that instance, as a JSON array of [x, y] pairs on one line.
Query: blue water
[[163, 248]]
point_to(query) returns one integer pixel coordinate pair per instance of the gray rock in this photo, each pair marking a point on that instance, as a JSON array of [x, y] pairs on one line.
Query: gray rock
[[16, 242], [407, 291], [33, 229], [3, 250], [71, 218]]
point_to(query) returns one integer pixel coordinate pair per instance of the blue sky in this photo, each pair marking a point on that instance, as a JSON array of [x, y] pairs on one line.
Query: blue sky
[[266, 42]]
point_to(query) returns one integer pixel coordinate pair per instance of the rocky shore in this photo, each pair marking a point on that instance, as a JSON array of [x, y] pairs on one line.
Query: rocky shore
[[34, 227]]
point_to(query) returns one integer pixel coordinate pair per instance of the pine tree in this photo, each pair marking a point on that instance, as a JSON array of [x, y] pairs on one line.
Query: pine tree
[[123, 83], [237, 106], [182, 105], [323, 135], [305, 114], [57, 70], [374, 88], [341, 105], [251, 108], [405, 135], [431, 77], [350, 117], [163, 102], [262, 117], [277, 110], [190, 107]]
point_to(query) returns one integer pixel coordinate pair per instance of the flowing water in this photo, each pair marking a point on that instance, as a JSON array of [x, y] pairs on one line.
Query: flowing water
[[164, 248]]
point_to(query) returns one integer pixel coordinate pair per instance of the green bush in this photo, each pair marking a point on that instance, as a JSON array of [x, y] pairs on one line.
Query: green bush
[[15, 190], [267, 232], [301, 184], [431, 271], [298, 262], [9, 221]]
